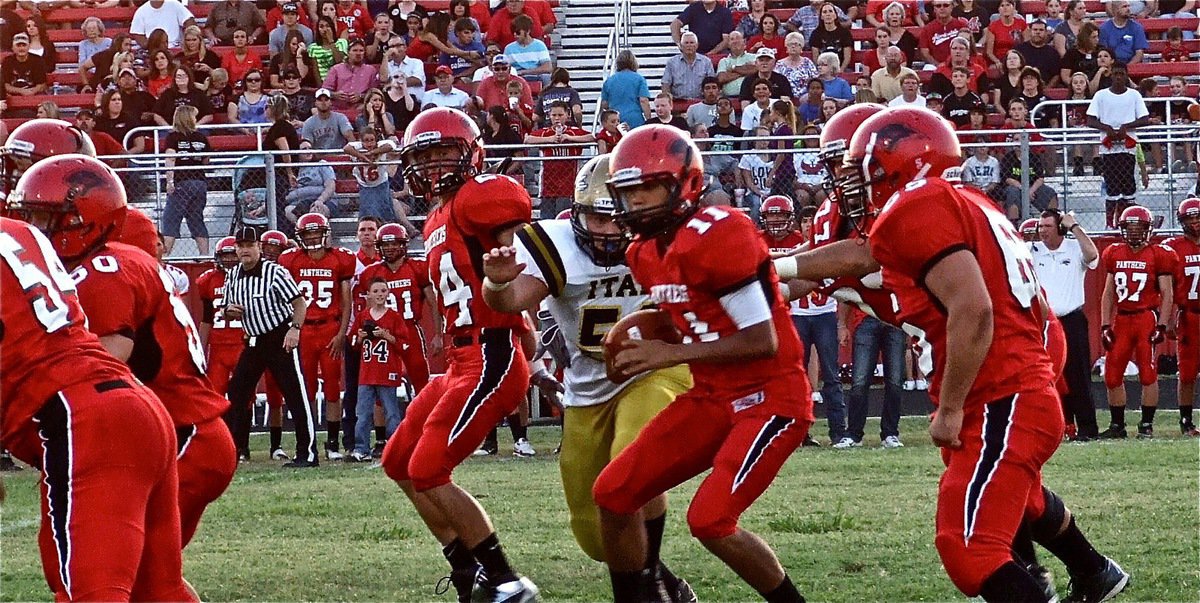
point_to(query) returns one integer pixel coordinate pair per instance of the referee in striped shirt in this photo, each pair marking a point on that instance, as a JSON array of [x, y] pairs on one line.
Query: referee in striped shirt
[[264, 297]]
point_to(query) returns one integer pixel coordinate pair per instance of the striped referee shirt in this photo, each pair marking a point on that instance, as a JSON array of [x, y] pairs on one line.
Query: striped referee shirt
[[266, 292]]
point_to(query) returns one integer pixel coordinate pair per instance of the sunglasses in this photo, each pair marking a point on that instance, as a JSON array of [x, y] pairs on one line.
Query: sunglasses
[[253, 80], [499, 67]]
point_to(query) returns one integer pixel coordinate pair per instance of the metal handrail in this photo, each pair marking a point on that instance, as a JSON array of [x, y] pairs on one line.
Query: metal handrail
[[618, 38]]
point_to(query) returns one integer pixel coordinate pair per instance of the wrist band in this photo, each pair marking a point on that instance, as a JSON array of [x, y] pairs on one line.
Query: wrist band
[[491, 285]]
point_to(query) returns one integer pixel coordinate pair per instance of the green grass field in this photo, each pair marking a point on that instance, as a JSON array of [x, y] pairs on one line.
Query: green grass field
[[854, 525]]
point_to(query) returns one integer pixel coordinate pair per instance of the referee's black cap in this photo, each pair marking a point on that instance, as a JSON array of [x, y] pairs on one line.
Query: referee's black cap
[[246, 234]]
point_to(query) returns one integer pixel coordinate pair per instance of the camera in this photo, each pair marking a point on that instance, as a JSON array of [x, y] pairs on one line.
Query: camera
[[369, 328]]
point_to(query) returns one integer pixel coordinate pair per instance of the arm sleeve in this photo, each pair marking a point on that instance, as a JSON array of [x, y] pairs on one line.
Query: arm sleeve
[[1139, 108], [1108, 259], [536, 250], [284, 286], [902, 240], [726, 256], [493, 203], [747, 306]]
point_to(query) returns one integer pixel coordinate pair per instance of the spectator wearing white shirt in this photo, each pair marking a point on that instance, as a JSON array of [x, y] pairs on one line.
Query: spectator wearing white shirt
[[1061, 264], [753, 112], [446, 95], [705, 111], [167, 15], [910, 92], [1116, 111], [399, 65], [981, 170]]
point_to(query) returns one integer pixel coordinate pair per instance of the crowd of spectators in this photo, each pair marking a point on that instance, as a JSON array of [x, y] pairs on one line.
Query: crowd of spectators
[[982, 65]]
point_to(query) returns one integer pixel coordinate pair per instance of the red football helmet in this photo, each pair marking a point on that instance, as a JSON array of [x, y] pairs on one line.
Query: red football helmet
[[891, 149], [38, 139], [836, 135], [78, 202], [435, 132], [777, 214], [392, 241], [312, 231], [226, 253], [1029, 229], [140, 231], [1136, 223], [1189, 217], [273, 244], [656, 154]]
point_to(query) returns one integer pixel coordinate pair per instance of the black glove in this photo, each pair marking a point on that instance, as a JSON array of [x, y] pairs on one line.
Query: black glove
[[1107, 338], [1159, 335]]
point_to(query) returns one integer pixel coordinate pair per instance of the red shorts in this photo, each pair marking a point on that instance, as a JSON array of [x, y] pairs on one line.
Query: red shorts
[[450, 417], [1132, 332], [1188, 347], [221, 362], [207, 460], [110, 522], [314, 357], [994, 480], [744, 436]]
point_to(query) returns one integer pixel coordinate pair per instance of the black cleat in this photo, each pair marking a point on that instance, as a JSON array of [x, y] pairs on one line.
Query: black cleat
[[1044, 579], [1145, 431], [810, 442], [377, 452], [299, 464], [1102, 586], [1114, 432], [469, 584], [666, 587], [1187, 428]]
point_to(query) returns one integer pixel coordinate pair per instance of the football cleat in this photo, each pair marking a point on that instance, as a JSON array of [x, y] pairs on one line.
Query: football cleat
[[469, 584], [522, 590], [279, 455], [1188, 428], [523, 448], [1045, 580], [1114, 432], [1102, 586], [1145, 431]]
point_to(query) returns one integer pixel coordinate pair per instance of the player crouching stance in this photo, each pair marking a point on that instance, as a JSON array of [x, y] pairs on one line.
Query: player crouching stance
[[969, 284], [750, 407], [579, 264], [487, 374]]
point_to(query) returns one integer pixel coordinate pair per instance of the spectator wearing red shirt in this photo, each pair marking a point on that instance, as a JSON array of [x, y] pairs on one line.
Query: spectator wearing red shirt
[[937, 34], [239, 61], [1003, 34], [493, 90], [544, 12], [960, 56], [1175, 52], [769, 38], [558, 177], [610, 131], [382, 334], [500, 28], [275, 16], [353, 19], [875, 58]]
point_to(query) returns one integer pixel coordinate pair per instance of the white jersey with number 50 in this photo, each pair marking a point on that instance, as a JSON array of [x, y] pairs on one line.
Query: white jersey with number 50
[[585, 300]]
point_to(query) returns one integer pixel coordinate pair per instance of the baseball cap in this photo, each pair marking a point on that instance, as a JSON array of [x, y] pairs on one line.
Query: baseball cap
[[290, 7], [323, 92], [933, 96], [500, 59], [765, 52], [127, 70], [21, 38], [443, 70], [246, 234]]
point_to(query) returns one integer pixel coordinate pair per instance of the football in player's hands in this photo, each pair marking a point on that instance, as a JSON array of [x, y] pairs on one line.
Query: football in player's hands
[[640, 325]]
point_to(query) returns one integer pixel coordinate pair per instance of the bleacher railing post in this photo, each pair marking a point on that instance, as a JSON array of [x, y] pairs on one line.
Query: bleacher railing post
[[1025, 172], [272, 206]]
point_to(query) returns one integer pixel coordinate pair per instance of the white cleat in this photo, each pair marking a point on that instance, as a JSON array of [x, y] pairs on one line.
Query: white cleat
[[279, 455], [892, 442], [517, 591], [523, 448], [846, 442]]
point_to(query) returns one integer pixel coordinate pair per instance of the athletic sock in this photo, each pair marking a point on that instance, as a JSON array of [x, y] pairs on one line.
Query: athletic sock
[[490, 442], [518, 429], [1074, 550], [654, 536], [458, 555], [626, 586], [1011, 582], [1022, 547], [1148, 414], [276, 438], [784, 593], [1118, 415], [490, 555], [332, 429], [1185, 413], [380, 434]]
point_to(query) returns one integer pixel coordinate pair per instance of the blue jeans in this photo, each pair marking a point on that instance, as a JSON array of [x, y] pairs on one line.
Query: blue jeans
[[870, 339], [186, 202], [367, 395], [820, 331], [376, 201]]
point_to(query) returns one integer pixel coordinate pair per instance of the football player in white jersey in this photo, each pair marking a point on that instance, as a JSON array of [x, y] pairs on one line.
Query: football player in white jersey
[[577, 267]]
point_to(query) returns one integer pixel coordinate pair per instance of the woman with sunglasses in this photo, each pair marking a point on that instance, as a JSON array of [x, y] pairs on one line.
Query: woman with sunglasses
[[251, 106], [294, 56], [182, 92]]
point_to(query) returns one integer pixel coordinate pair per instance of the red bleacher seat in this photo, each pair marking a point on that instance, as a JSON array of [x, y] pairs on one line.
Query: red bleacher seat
[[1157, 46], [1038, 7], [233, 142], [62, 100], [1159, 26], [347, 187], [1140, 70]]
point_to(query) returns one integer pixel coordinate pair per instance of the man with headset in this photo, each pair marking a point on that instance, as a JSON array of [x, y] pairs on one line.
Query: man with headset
[[1062, 263]]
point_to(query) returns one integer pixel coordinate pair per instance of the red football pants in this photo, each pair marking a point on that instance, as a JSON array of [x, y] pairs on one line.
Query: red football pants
[[450, 417], [416, 365], [207, 460], [221, 361], [994, 480], [1056, 346], [745, 439], [1188, 347], [110, 520], [1132, 332], [314, 357], [271, 389]]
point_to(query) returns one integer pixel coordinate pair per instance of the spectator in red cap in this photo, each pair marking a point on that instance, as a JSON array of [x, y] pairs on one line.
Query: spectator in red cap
[[446, 95]]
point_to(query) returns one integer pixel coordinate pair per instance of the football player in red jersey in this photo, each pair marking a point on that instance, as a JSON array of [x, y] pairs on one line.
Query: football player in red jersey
[[80, 204], [323, 273], [487, 374], [223, 338], [36, 140], [970, 286], [274, 243], [750, 406], [103, 442], [1134, 310], [409, 291], [1186, 326]]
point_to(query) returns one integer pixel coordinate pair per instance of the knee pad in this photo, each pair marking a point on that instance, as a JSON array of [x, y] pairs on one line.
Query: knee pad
[[969, 568], [608, 494], [427, 476], [1113, 378], [707, 522], [1049, 525]]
